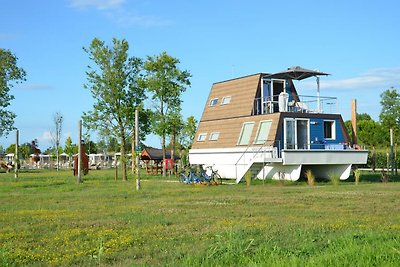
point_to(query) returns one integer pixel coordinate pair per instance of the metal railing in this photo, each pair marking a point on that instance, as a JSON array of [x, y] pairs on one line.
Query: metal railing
[[321, 146], [308, 104], [269, 149]]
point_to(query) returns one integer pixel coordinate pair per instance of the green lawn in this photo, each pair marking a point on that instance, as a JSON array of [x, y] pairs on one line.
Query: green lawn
[[48, 219]]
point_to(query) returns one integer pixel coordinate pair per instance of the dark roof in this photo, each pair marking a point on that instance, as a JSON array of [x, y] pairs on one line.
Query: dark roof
[[296, 73], [155, 154]]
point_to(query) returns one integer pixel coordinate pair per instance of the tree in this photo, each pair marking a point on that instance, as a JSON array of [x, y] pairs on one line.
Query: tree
[[90, 147], [188, 132], [69, 149], [369, 132], [174, 127], [363, 117], [166, 82], [56, 135], [186, 137], [25, 150], [10, 148], [9, 73], [113, 82], [390, 113]]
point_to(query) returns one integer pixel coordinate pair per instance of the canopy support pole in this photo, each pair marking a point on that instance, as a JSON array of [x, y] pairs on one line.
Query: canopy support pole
[[318, 97]]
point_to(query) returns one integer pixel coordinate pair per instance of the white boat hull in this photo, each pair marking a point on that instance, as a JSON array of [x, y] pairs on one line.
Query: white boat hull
[[233, 163]]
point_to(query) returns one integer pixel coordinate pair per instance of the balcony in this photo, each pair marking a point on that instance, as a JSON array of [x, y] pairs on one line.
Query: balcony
[[308, 104]]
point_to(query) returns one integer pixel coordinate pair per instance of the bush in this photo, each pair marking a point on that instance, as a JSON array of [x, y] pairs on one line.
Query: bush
[[310, 177], [357, 176], [335, 178], [380, 159]]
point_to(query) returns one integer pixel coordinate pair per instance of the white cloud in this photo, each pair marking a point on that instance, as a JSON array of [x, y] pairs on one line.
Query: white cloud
[[33, 86], [45, 137], [382, 79], [8, 37], [117, 12], [98, 4], [127, 19]]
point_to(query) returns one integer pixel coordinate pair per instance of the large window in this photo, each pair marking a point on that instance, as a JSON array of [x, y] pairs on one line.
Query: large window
[[329, 130], [245, 134], [263, 132]]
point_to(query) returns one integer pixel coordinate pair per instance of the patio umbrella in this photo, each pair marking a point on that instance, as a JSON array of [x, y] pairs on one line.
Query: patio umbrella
[[299, 73]]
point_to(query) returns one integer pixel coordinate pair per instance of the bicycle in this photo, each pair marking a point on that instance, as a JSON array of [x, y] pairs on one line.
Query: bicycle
[[191, 178], [214, 177]]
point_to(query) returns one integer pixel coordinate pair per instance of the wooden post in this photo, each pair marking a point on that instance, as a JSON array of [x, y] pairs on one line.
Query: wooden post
[[137, 148], [391, 151], [395, 158], [354, 120], [79, 179], [116, 168], [16, 159], [133, 151]]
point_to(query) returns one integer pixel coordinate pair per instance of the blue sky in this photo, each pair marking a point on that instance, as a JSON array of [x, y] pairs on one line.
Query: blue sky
[[355, 41]]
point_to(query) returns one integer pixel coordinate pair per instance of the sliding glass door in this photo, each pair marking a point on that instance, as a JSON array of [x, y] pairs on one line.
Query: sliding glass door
[[296, 133]]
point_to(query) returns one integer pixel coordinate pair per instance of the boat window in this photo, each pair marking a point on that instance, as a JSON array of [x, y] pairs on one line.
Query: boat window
[[329, 130], [245, 134], [202, 137], [226, 100], [214, 102], [263, 132], [214, 136]]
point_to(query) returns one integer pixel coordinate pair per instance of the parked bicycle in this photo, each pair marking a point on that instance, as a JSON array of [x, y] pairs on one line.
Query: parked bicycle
[[189, 176], [213, 177]]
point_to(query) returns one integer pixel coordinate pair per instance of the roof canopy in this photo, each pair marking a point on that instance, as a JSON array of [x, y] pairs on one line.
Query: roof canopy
[[155, 154], [296, 73]]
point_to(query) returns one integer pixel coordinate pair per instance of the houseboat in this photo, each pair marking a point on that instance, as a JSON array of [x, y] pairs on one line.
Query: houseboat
[[259, 124]]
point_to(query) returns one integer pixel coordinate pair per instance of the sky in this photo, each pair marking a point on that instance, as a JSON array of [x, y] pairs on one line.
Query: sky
[[357, 42]]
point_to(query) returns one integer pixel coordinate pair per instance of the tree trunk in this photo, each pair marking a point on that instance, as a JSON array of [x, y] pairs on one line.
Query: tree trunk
[[173, 141], [133, 151], [57, 159], [123, 158], [164, 171]]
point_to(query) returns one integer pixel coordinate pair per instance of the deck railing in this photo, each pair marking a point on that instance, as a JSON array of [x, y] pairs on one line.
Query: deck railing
[[269, 149], [308, 104]]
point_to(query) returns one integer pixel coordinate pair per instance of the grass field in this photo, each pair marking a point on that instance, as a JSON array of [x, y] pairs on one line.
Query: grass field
[[48, 219]]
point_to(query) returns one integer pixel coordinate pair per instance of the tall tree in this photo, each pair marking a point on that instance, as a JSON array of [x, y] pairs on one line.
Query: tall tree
[[9, 73], [390, 113], [166, 82], [113, 82], [56, 135], [174, 127]]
